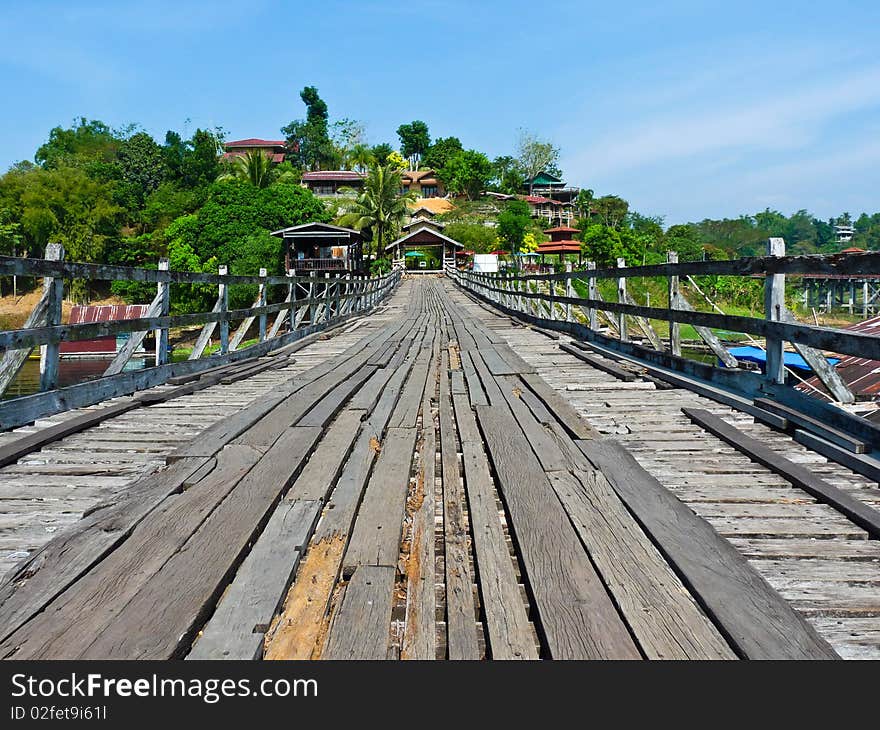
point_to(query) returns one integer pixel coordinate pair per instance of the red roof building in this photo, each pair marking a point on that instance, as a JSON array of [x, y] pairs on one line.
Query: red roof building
[[329, 182], [272, 148]]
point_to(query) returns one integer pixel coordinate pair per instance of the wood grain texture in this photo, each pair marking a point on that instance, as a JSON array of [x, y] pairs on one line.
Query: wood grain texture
[[236, 629], [361, 627], [577, 616], [755, 619]]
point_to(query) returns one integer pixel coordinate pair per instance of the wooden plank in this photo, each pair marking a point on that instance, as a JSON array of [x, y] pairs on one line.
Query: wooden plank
[[74, 618], [375, 539], [507, 622], [800, 476], [576, 425], [151, 626], [362, 625], [665, 618], [319, 475], [865, 464], [475, 389], [461, 619], [48, 571], [14, 450], [754, 618], [619, 373], [829, 433], [420, 636], [578, 618], [236, 629]]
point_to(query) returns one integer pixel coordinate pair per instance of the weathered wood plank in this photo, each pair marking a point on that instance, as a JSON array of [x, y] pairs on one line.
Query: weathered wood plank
[[576, 613], [244, 613], [361, 626], [150, 626], [375, 539], [754, 618], [844, 502], [461, 632], [50, 570]]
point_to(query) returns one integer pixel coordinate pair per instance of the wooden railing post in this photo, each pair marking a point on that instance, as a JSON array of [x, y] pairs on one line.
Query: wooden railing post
[[53, 290], [327, 300], [261, 302], [569, 291], [223, 296], [313, 303], [551, 289], [774, 305], [163, 294], [621, 299], [291, 298], [592, 293], [674, 327]]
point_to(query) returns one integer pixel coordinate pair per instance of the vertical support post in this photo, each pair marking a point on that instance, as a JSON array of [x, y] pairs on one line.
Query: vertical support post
[[327, 300], [552, 290], [569, 291], [291, 298], [164, 295], [774, 304], [865, 298], [337, 303], [261, 302], [621, 299], [224, 312], [674, 327], [53, 290], [593, 294], [313, 304]]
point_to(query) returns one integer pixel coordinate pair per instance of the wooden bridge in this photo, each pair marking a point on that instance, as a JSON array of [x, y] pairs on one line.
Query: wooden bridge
[[453, 467]]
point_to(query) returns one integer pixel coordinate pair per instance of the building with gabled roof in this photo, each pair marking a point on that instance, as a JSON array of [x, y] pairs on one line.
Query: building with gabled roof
[[424, 248], [321, 247], [274, 149]]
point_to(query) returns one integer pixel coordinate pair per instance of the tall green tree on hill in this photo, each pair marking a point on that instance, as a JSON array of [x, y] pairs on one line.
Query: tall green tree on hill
[[414, 141], [513, 222], [309, 146], [439, 153], [467, 173]]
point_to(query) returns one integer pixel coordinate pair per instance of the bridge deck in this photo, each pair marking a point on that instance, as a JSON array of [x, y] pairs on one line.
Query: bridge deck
[[423, 486]]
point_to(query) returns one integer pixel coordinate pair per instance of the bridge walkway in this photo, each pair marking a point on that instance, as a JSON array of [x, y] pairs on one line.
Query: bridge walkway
[[428, 489]]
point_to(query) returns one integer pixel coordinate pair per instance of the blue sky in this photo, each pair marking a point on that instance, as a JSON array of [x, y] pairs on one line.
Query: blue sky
[[687, 108]]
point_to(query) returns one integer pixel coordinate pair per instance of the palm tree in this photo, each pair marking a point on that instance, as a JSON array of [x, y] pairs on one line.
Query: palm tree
[[254, 166], [380, 206], [361, 156]]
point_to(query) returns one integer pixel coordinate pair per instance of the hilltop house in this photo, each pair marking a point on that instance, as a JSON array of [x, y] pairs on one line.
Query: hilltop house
[[330, 183], [546, 185], [272, 148], [424, 183], [321, 247]]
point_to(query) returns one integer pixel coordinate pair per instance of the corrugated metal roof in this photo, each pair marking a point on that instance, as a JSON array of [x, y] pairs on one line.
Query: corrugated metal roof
[[861, 375], [89, 314]]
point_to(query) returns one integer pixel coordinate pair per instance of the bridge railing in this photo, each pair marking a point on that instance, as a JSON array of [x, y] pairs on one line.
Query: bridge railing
[[312, 303], [550, 300]]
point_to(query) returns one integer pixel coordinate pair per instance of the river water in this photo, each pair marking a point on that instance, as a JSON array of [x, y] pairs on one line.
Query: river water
[[70, 372]]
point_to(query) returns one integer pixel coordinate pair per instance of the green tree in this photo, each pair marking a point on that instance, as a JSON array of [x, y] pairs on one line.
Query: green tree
[[535, 156], [254, 167], [309, 146], [612, 209], [86, 141], [142, 170], [414, 141], [685, 239], [513, 222], [379, 153], [473, 236], [506, 175], [439, 153], [379, 209], [467, 172]]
